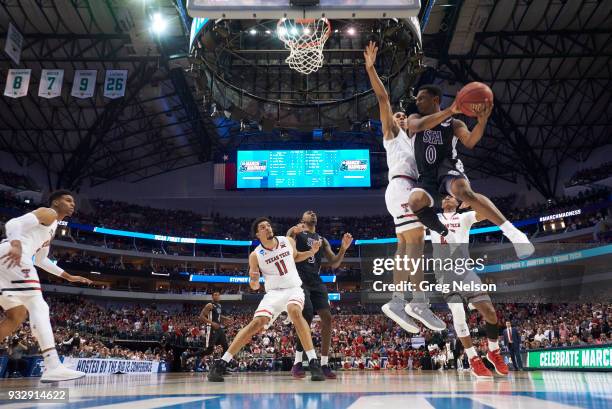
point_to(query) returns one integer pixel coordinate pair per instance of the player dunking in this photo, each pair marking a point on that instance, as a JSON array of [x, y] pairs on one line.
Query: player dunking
[[316, 298], [275, 258], [29, 237], [403, 176], [215, 333], [436, 134], [459, 224]]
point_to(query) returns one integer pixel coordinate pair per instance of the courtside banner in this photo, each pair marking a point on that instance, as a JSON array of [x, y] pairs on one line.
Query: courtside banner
[[599, 357], [201, 278], [94, 366]]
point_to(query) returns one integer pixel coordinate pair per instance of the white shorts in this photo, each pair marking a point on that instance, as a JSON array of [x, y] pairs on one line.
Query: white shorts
[[396, 198], [276, 301], [18, 280], [8, 302]]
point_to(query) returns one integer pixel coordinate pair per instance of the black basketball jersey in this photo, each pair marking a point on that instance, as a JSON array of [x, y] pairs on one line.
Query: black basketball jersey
[[215, 313], [435, 146], [309, 268]]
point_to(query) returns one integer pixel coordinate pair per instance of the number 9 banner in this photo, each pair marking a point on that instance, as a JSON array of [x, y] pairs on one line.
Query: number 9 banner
[[84, 83], [50, 83], [115, 83], [17, 83]]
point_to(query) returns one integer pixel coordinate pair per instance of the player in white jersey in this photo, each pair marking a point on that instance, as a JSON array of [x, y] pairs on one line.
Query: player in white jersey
[[460, 224], [410, 232], [26, 246], [275, 258]]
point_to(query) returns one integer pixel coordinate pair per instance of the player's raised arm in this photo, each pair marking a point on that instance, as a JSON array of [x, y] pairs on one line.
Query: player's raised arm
[[295, 230], [468, 138], [303, 255], [336, 259], [390, 128], [254, 272]]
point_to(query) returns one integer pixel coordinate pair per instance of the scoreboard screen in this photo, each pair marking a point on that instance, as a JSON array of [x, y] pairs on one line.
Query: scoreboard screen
[[303, 168]]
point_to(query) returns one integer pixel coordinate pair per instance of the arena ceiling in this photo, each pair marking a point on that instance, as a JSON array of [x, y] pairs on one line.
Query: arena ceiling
[[548, 62]]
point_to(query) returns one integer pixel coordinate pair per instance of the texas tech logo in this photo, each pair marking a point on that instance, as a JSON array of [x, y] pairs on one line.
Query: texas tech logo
[[25, 272]]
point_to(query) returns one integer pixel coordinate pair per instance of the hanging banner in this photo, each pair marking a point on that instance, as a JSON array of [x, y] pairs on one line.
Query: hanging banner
[[84, 83], [17, 83], [51, 83], [13, 44], [114, 84]]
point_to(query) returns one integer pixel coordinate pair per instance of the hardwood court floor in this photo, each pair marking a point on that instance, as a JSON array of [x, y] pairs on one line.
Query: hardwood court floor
[[355, 390]]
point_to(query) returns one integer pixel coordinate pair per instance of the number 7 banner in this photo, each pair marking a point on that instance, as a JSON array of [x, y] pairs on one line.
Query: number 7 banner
[[84, 83], [50, 83], [115, 82], [17, 83]]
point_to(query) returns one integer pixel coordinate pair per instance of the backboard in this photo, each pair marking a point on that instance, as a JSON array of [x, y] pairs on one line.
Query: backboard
[[276, 9]]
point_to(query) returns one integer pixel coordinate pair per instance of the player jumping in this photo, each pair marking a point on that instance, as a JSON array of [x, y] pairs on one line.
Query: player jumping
[[403, 176], [436, 134]]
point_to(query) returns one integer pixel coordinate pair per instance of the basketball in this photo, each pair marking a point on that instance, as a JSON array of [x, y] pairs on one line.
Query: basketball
[[472, 94]]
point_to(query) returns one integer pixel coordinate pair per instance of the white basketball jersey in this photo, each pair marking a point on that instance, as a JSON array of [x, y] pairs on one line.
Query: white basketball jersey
[[37, 238], [277, 265], [400, 156], [458, 223]]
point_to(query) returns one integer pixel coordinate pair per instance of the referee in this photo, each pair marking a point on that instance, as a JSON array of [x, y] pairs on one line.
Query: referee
[[315, 292]]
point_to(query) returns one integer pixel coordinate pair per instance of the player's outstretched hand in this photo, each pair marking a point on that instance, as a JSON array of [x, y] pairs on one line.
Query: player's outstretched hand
[[347, 239], [79, 279], [370, 55], [13, 257], [299, 228], [483, 111]]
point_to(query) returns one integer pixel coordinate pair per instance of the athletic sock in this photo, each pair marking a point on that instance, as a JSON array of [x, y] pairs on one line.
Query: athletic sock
[[299, 357], [227, 357], [428, 217], [398, 294], [324, 360], [419, 297], [51, 359], [471, 352], [493, 345], [311, 355]]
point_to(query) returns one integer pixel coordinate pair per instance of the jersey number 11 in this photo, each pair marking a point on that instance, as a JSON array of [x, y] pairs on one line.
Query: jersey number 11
[[282, 268]]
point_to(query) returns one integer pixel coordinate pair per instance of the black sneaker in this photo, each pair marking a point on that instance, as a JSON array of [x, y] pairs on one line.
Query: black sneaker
[[316, 374], [216, 372]]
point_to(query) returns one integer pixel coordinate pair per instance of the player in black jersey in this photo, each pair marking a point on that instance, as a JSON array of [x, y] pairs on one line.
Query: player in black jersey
[[215, 333], [316, 298], [436, 135]]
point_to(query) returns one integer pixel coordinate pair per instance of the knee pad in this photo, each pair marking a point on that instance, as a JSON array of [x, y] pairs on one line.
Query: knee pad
[[459, 323]]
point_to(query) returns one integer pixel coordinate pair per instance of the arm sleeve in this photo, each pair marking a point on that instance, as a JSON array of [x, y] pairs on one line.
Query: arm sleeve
[[41, 260], [15, 228]]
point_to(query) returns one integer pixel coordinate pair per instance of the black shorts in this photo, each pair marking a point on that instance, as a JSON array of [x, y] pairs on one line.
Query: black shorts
[[215, 337], [315, 299], [435, 185]]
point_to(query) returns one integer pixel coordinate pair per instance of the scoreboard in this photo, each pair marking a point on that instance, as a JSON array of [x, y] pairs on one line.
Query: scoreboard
[[303, 169]]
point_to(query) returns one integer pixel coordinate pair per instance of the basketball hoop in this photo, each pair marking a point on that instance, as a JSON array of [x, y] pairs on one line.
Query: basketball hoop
[[305, 39]]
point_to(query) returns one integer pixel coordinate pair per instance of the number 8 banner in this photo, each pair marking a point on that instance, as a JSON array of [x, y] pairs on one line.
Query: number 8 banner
[[17, 83], [84, 83], [115, 83], [51, 83]]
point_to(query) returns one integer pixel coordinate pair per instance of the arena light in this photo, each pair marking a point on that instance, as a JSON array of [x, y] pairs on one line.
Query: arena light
[[160, 274], [253, 32], [351, 31], [95, 272], [159, 24], [282, 31]]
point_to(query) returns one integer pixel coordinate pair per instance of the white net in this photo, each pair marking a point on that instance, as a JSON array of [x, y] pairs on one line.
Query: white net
[[305, 39]]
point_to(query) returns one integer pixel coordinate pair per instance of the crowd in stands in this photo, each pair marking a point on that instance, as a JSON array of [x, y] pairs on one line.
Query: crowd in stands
[[361, 335], [18, 181], [590, 175]]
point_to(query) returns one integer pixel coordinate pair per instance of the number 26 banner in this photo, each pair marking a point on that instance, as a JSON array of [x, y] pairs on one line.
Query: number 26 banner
[[115, 83], [84, 83], [50, 83], [17, 83]]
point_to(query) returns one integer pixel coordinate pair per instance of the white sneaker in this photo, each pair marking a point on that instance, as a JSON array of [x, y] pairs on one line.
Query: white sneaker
[[61, 373]]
